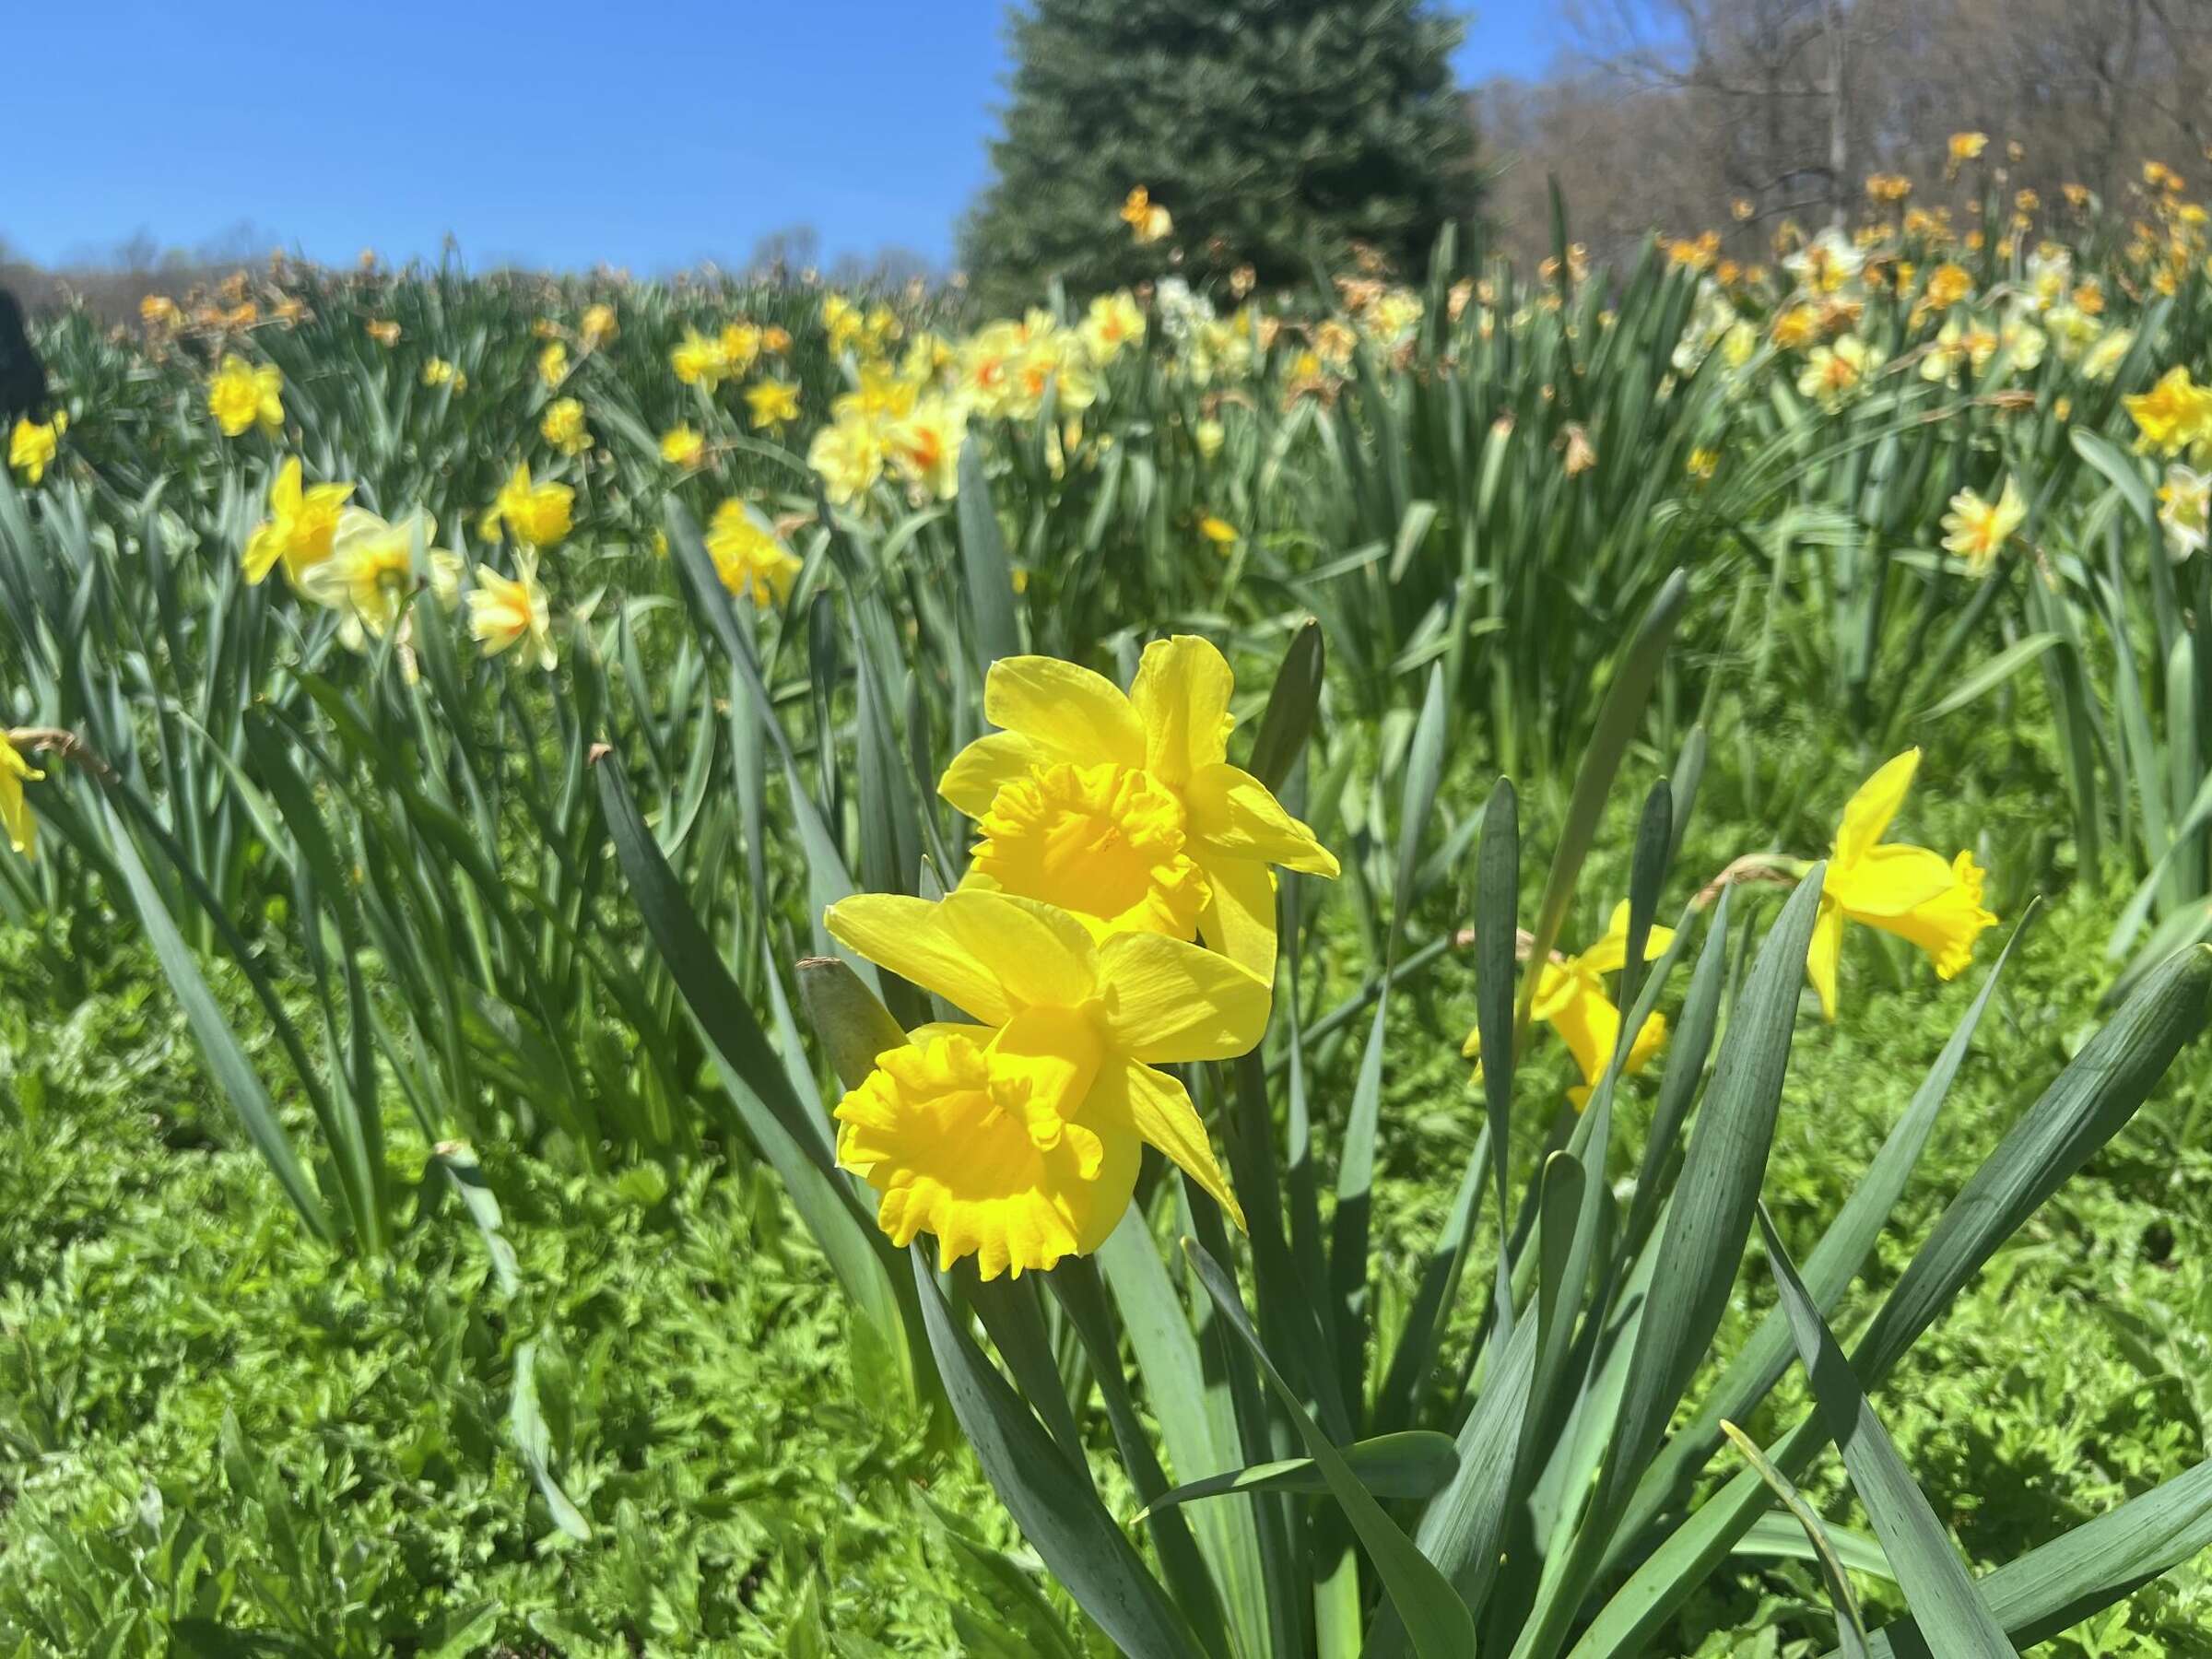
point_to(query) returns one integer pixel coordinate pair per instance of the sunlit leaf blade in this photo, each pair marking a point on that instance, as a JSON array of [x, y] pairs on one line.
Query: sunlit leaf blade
[[1934, 1580]]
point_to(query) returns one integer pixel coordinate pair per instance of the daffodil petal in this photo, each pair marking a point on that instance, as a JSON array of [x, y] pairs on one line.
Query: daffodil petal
[[1169, 1000], [1232, 812], [1077, 715], [1161, 1111], [979, 771], [1239, 919], [1590, 1025], [1825, 952], [1042, 955], [1180, 694], [1610, 954], [1890, 880], [1868, 814], [1946, 923], [988, 954], [1555, 985]]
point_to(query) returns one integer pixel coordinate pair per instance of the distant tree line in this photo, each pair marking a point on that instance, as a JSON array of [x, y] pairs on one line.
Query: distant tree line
[[1671, 113]]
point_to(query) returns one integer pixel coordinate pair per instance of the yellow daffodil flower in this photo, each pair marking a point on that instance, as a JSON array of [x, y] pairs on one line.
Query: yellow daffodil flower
[[1572, 999], [598, 326], [14, 811], [537, 515], [682, 446], [1218, 531], [1977, 529], [384, 331], [32, 446], [1016, 1139], [563, 425], [504, 611], [242, 394], [771, 403], [925, 446], [877, 396], [842, 321], [1906, 891], [1208, 435], [1147, 221], [553, 364], [739, 346], [749, 560], [2172, 414], [1113, 321], [1122, 807], [1795, 327], [370, 573], [699, 361], [1834, 373], [848, 454], [1967, 147], [439, 372], [1947, 285], [300, 528]]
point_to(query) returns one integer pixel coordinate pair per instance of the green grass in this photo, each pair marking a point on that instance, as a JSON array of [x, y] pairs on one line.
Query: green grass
[[694, 1368]]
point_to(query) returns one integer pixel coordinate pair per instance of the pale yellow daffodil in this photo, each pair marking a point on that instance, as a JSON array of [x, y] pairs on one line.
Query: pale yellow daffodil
[[1977, 529], [504, 611], [1016, 1139], [368, 578]]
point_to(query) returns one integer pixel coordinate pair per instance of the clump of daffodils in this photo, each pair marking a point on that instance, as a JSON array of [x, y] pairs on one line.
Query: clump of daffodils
[[1118, 917]]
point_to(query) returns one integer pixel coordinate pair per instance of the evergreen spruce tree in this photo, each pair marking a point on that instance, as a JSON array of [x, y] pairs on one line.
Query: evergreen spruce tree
[[1273, 132]]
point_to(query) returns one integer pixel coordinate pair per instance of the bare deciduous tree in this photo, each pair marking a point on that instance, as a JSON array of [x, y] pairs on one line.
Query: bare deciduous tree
[[1671, 113]]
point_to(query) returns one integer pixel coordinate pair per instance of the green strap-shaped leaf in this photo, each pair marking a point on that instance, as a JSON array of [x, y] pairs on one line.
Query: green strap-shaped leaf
[[1710, 1218], [1434, 1617], [990, 579], [1413, 1463], [1617, 724], [226, 1058], [753, 1077], [526, 1421], [1054, 1505], [1287, 721], [2056, 1585], [2088, 1103], [1834, 1263], [1936, 1582], [1850, 1625]]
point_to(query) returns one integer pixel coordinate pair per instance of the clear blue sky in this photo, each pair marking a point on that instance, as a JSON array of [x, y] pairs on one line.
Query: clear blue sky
[[559, 134]]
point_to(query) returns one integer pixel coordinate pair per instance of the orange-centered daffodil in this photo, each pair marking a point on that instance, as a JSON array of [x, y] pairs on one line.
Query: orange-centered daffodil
[[1016, 1139], [1124, 808]]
